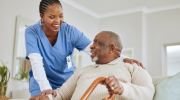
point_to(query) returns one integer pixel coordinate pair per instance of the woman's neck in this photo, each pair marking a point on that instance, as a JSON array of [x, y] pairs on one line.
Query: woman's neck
[[48, 32]]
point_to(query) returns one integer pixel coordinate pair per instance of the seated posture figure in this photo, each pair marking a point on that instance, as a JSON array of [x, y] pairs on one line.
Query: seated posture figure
[[127, 81]]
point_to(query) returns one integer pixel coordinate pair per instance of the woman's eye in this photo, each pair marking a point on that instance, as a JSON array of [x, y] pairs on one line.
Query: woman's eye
[[61, 16], [51, 17]]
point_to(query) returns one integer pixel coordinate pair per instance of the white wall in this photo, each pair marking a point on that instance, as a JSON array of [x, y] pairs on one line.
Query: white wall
[[163, 28], [30, 9]]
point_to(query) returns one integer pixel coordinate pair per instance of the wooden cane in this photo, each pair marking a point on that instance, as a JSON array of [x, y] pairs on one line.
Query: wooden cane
[[92, 87]]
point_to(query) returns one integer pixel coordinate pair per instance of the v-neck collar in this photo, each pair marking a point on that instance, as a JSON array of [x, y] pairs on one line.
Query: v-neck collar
[[45, 37]]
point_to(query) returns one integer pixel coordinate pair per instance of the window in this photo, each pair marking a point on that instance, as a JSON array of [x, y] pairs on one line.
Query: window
[[173, 59]]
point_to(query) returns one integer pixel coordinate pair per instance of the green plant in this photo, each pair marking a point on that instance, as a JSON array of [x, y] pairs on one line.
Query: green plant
[[4, 77], [22, 75]]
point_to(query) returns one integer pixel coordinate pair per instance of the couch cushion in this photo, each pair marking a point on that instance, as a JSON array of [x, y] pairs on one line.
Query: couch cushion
[[168, 89]]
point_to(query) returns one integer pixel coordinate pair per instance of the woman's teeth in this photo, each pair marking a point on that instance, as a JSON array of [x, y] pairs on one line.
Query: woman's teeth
[[55, 25]]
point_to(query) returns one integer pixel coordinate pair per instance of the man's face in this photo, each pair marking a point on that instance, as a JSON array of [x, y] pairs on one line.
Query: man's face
[[99, 49]]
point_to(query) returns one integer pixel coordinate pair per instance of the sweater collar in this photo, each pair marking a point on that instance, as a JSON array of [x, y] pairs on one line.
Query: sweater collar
[[112, 62]]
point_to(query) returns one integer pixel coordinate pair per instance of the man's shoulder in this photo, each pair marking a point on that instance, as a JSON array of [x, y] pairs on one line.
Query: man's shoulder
[[133, 68], [127, 66], [121, 63]]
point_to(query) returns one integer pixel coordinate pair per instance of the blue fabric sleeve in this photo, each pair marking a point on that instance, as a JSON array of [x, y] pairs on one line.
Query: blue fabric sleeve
[[78, 39], [31, 42]]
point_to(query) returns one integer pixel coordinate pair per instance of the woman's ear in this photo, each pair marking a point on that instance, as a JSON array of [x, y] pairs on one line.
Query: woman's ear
[[41, 15]]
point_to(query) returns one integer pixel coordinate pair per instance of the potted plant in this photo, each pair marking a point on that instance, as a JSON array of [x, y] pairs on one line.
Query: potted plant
[[4, 78], [24, 77]]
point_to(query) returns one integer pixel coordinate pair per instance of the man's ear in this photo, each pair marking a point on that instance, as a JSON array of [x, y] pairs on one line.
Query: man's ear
[[112, 48]]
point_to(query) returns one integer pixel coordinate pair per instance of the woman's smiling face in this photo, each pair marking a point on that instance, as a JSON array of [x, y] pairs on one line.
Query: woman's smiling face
[[53, 17]]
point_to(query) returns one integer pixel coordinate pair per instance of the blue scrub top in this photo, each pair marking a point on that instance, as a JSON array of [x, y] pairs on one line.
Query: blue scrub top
[[54, 57]]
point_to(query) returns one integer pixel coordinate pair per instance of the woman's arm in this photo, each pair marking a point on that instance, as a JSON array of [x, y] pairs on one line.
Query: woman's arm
[[38, 71], [33, 53]]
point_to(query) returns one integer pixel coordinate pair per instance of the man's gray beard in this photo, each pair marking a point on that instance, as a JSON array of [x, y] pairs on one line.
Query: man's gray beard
[[95, 58]]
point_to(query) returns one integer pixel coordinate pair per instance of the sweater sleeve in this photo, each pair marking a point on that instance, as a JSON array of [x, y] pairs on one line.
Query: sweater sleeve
[[141, 86], [66, 91]]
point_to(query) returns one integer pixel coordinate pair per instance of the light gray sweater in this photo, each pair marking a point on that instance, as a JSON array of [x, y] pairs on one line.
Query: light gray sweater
[[136, 82]]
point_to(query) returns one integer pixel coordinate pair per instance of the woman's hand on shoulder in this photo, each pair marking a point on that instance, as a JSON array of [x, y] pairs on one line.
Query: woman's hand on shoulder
[[131, 61]]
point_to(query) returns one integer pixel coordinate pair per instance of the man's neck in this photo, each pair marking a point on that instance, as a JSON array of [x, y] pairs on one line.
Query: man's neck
[[108, 60]]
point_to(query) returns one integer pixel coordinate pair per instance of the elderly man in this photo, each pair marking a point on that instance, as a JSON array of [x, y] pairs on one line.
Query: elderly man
[[127, 81]]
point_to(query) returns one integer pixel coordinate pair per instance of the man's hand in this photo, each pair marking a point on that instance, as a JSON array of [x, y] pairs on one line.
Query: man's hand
[[113, 85], [131, 61], [39, 97], [47, 92]]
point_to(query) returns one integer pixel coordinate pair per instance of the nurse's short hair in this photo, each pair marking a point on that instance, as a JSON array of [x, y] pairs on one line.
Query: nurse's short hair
[[45, 3]]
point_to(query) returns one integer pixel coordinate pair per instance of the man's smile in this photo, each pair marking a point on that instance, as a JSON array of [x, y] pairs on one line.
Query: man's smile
[[93, 54]]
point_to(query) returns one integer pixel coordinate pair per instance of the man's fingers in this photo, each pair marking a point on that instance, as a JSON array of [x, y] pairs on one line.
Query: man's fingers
[[116, 86], [102, 83], [116, 91], [109, 79], [112, 85]]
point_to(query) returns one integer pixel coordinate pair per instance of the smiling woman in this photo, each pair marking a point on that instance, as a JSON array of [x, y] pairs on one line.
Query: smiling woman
[[49, 47]]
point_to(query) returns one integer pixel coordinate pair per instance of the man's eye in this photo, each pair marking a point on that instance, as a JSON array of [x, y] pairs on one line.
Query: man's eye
[[96, 42]]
